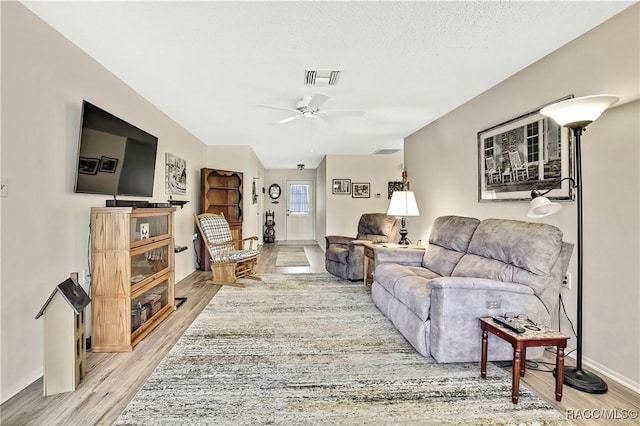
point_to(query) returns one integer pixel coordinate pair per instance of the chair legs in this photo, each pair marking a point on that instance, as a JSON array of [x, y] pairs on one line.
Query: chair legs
[[228, 273], [224, 274]]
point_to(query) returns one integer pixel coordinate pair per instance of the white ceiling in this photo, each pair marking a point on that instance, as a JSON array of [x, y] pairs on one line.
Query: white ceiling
[[208, 64]]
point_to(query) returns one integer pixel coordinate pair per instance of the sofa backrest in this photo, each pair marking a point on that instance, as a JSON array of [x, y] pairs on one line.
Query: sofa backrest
[[377, 227], [448, 242], [515, 251]]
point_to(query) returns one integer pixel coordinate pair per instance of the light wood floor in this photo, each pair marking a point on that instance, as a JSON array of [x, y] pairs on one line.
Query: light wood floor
[[113, 379]]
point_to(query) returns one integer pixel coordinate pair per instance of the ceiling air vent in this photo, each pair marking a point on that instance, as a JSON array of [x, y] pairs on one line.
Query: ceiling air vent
[[386, 151], [321, 77]]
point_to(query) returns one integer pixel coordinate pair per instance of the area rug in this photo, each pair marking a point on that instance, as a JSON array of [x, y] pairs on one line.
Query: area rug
[[312, 349], [291, 256]]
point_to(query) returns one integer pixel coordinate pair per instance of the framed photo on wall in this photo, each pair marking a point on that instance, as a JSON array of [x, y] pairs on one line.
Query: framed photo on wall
[[88, 166], [108, 164], [528, 152], [361, 190], [395, 186], [341, 186]]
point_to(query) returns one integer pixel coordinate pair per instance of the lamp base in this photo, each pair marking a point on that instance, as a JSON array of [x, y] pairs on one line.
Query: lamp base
[[403, 237], [584, 381]]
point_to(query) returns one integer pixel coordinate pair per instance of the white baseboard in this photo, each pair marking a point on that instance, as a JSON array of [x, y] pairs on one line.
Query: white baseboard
[[613, 375], [590, 364]]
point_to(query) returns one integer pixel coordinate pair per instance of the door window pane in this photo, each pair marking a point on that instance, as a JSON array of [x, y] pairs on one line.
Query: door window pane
[[299, 199]]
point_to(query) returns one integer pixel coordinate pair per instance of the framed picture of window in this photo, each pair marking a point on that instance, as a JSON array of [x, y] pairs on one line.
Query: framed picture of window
[[528, 152], [361, 190], [341, 186]]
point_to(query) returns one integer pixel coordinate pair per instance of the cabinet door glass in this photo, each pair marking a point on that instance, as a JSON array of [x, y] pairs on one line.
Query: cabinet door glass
[[149, 303], [149, 227], [150, 262]]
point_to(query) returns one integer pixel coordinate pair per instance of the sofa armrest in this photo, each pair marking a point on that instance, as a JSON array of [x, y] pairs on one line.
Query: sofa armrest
[[401, 256], [338, 240], [480, 284], [458, 302]]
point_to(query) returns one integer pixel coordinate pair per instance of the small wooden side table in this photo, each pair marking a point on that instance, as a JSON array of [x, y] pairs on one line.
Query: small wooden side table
[[520, 343], [370, 259]]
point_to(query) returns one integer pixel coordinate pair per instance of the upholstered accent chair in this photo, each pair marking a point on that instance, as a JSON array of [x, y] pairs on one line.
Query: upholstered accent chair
[[344, 256], [227, 263]]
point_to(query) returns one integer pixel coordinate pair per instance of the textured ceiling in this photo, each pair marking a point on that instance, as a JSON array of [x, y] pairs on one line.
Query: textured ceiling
[[208, 64]]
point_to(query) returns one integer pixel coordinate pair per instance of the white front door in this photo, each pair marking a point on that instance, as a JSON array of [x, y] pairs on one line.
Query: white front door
[[300, 197]]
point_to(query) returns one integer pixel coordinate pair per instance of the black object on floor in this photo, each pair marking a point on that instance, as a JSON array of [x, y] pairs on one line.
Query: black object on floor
[[180, 301]]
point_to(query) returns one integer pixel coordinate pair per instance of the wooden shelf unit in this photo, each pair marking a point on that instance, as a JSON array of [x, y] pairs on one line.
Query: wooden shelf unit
[[132, 274], [221, 193]]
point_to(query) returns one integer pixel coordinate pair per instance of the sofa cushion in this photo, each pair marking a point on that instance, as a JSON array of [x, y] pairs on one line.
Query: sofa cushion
[[530, 246], [440, 260], [415, 294], [376, 227], [448, 241], [453, 232]]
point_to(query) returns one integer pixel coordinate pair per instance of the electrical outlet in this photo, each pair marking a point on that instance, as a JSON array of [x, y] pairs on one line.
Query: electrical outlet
[[566, 281], [493, 305]]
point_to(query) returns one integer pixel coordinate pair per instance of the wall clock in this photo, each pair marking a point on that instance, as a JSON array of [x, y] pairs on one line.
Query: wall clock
[[274, 191]]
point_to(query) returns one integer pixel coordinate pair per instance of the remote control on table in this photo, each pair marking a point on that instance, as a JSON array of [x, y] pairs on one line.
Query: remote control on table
[[508, 324]]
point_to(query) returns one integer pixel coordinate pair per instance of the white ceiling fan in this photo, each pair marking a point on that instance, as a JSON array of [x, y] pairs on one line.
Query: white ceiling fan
[[309, 107]]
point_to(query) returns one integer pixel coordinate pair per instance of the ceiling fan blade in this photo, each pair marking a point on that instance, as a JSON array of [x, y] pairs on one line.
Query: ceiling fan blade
[[278, 107], [317, 100], [343, 112], [286, 120]]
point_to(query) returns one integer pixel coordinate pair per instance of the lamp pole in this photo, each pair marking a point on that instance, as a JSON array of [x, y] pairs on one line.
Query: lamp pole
[[576, 114], [578, 378]]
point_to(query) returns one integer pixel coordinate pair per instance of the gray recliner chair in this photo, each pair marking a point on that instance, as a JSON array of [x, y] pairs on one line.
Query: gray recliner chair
[[344, 256]]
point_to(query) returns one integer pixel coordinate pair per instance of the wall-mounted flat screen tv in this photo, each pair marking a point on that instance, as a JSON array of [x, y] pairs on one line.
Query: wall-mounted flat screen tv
[[114, 157]]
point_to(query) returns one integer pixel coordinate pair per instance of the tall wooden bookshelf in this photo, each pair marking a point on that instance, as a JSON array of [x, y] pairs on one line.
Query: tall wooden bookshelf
[[132, 274], [221, 192]]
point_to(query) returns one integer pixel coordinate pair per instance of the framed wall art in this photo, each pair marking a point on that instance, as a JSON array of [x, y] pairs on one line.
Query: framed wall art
[[525, 153], [341, 186], [394, 186], [88, 166], [361, 190], [175, 175], [108, 164]]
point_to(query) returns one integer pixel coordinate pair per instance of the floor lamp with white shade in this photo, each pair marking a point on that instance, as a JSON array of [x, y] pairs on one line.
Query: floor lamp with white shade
[[575, 114]]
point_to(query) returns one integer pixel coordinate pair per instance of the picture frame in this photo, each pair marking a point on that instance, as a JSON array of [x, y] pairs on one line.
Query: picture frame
[[528, 152], [88, 165], [108, 164], [341, 186], [394, 186], [361, 190], [175, 176]]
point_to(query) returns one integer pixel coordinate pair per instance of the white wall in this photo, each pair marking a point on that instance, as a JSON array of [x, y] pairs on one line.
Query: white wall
[[442, 161], [342, 211], [45, 225]]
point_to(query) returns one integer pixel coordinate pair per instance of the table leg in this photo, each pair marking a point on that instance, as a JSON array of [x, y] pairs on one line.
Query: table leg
[[523, 364], [483, 358], [515, 372], [559, 372], [365, 273]]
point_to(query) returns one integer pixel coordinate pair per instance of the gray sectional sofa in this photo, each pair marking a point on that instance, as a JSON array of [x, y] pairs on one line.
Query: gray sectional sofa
[[470, 269]]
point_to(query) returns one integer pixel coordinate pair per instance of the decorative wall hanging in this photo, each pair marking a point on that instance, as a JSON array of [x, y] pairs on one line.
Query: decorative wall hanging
[[522, 154], [361, 190], [175, 175], [341, 186], [395, 186]]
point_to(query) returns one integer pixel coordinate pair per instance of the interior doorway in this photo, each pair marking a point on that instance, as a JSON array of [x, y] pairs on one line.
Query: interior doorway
[[300, 214]]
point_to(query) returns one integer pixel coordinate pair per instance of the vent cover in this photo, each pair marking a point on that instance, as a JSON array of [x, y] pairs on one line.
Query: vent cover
[[386, 151], [321, 77]]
